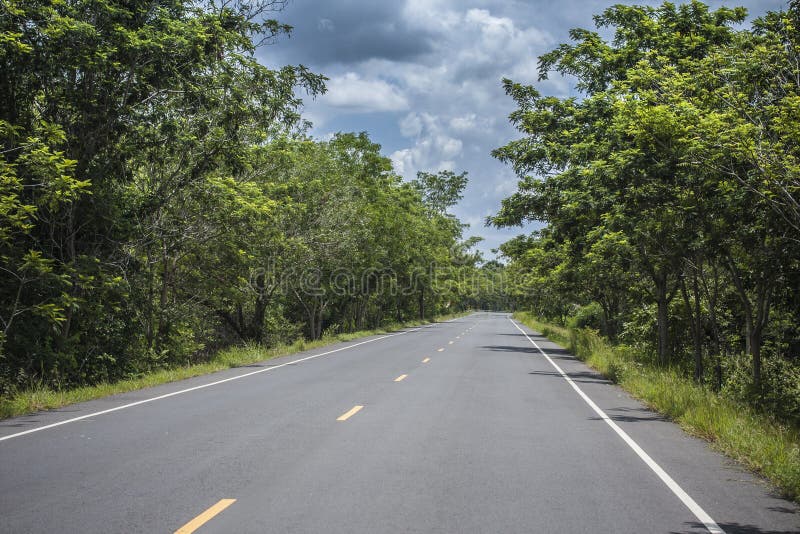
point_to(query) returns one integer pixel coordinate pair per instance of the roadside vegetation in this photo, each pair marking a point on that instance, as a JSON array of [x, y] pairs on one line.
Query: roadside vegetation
[[43, 396], [668, 197], [161, 201]]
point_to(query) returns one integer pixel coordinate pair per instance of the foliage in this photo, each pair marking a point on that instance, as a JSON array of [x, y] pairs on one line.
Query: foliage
[[669, 193], [41, 396], [159, 199]]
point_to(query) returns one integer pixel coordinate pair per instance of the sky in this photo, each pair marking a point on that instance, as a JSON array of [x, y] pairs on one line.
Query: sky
[[424, 79]]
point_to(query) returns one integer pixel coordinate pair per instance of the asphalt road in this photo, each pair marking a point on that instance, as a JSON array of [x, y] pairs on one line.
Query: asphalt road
[[464, 426]]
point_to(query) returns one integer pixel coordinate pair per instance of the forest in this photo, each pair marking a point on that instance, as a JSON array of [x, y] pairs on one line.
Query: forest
[[669, 189], [160, 198]]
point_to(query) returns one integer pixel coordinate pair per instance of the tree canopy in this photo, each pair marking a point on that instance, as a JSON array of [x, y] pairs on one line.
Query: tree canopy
[[669, 190], [160, 199]]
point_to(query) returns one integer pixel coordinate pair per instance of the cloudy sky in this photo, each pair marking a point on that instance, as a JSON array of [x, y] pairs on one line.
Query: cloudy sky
[[423, 78]]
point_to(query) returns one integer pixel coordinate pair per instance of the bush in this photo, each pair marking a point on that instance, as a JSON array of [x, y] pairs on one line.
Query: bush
[[780, 393], [589, 316]]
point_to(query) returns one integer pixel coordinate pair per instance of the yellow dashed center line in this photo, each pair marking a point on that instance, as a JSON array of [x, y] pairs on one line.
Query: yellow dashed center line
[[345, 416], [449, 342], [439, 350], [205, 517], [400, 378], [426, 360]]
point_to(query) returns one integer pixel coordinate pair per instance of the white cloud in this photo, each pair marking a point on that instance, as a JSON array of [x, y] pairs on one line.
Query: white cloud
[[451, 110], [411, 125], [500, 33], [325, 25], [464, 123], [431, 15], [354, 93], [434, 148], [504, 186], [445, 95], [459, 107]]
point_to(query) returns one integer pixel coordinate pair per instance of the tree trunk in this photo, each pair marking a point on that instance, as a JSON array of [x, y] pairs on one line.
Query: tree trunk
[[362, 312], [756, 317], [696, 324], [320, 313], [162, 303], [312, 321], [662, 320], [608, 319], [712, 297], [754, 339], [149, 308], [698, 339], [398, 310], [255, 330], [70, 258]]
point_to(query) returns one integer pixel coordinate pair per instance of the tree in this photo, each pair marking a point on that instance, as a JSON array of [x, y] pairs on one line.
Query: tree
[[104, 95], [603, 167]]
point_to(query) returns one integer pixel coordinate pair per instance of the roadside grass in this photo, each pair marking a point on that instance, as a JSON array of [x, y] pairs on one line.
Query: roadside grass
[[40, 397], [765, 446]]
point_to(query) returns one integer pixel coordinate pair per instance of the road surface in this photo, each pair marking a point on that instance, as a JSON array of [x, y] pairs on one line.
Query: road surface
[[473, 425]]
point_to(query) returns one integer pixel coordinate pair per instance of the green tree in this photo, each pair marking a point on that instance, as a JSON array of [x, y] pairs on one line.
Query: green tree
[[158, 96], [600, 170]]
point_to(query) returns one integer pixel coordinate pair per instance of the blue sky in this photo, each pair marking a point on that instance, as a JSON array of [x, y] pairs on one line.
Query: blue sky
[[423, 78]]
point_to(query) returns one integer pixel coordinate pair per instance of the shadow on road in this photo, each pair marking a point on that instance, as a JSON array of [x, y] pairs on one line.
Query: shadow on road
[[582, 376], [509, 348], [556, 354], [735, 528], [782, 509], [27, 422], [631, 415]]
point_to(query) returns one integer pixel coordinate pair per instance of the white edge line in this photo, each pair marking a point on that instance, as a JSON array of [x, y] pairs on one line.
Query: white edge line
[[202, 386], [690, 503]]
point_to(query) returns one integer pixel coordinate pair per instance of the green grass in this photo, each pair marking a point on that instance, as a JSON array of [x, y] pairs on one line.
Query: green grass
[[40, 397], [765, 446]]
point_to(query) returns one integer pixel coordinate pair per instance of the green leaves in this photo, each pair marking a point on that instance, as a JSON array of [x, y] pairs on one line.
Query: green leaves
[[442, 190], [128, 135], [680, 159]]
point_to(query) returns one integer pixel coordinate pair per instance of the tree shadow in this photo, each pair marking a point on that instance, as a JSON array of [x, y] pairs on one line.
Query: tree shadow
[[19, 424], [561, 354], [631, 415], [552, 353], [509, 348], [585, 377], [736, 528], [782, 509]]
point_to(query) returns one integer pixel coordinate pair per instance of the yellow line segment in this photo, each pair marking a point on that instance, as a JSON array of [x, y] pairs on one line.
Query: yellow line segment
[[400, 378], [205, 517], [440, 350], [426, 360], [345, 416], [449, 342]]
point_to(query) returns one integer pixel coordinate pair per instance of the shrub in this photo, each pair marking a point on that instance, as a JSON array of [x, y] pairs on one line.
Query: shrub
[[589, 316]]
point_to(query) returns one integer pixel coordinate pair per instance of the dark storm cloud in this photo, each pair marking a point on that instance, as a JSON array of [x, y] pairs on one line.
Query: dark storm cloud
[[349, 31]]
